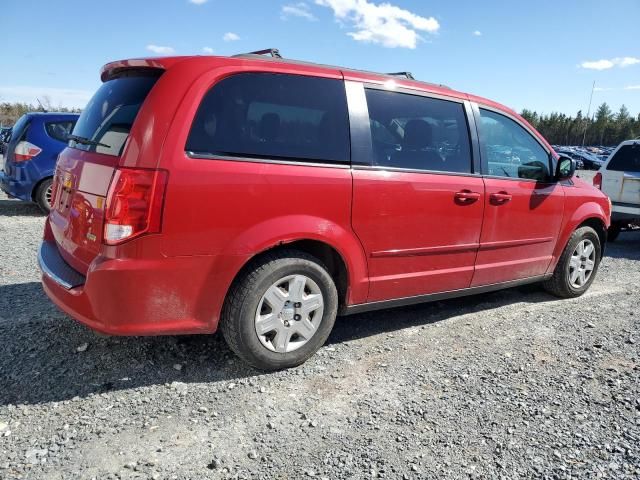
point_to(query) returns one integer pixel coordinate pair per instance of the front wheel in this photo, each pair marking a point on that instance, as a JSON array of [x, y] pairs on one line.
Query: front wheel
[[280, 311], [577, 266]]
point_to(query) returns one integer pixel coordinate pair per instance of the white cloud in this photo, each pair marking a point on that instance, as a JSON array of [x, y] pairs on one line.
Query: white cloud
[[627, 61], [230, 37], [64, 97], [607, 64], [160, 50], [198, 2], [384, 24], [207, 50], [477, 33], [632, 87], [300, 9]]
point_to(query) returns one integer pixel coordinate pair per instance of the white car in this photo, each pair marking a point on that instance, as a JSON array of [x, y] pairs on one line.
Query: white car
[[619, 179]]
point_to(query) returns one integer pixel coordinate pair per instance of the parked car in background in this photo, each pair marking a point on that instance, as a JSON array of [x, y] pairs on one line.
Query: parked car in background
[[30, 159], [568, 153], [619, 179], [589, 160], [5, 134], [205, 193]]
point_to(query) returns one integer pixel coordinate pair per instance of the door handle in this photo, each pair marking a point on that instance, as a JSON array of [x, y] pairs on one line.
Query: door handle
[[500, 198], [467, 196]]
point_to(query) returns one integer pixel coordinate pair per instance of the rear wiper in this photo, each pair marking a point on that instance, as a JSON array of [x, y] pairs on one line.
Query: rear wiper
[[86, 141]]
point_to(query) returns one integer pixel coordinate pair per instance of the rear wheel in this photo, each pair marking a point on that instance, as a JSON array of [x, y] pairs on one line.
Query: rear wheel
[[280, 311], [43, 195], [577, 266]]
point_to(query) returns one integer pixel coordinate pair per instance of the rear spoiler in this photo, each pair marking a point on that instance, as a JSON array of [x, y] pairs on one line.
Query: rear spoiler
[[139, 66]]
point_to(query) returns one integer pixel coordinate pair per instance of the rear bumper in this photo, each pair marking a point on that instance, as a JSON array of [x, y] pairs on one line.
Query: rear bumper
[[15, 188], [132, 297], [624, 211]]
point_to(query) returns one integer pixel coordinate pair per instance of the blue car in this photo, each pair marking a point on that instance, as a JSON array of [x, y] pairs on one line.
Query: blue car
[[31, 154]]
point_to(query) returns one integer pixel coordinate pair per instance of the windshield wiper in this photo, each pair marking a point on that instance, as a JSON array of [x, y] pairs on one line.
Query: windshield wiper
[[86, 141]]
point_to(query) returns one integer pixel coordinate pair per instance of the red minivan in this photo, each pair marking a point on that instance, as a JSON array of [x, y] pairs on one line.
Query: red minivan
[[264, 196]]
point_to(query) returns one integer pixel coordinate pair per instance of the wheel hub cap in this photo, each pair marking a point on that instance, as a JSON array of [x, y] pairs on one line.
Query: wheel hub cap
[[289, 313]]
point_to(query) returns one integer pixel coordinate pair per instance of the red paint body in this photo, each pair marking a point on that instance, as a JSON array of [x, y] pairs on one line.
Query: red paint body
[[399, 234]]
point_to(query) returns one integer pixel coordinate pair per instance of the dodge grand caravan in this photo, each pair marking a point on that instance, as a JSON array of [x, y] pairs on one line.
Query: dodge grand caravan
[[262, 197]]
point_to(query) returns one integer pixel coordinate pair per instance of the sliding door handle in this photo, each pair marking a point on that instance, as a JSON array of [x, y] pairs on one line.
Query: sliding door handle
[[466, 196], [500, 198]]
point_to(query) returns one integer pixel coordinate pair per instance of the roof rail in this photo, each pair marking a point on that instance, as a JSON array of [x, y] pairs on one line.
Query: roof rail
[[408, 75], [274, 52], [275, 56]]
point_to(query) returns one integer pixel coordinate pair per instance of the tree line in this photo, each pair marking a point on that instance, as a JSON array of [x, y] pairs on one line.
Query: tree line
[[10, 112], [604, 128]]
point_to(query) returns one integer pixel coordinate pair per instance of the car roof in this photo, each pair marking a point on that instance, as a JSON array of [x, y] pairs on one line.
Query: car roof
[[251, 59]]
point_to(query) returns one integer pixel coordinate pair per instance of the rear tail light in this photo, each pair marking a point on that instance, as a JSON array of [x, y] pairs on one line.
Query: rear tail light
[[597, 181], [25, 151], [134, 204]]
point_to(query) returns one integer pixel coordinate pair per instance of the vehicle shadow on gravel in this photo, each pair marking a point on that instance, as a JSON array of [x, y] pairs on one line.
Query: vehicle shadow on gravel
[[48, 357], [627, 246], [391, 320], [17, 208]]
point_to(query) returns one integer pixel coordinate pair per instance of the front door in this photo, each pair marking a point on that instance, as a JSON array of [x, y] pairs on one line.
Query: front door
[[523, 204], [417, 206]]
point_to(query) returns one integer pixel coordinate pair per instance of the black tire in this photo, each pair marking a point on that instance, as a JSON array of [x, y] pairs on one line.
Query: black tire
[[238, 316], [614, 231], [41, 195], [559, 284]]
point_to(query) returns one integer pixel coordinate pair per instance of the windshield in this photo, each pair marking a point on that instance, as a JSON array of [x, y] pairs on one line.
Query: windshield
[[109, 115]]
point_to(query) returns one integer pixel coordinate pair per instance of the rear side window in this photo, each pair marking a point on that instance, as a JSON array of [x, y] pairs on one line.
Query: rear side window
[[59, 130], [277, 116], [508, 150], [418, 133], [626, 159], [109, 115]]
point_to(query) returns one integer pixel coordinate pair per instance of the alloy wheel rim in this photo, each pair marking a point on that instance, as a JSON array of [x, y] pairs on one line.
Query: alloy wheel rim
[[48, 194], [289, 313], [582, 263]]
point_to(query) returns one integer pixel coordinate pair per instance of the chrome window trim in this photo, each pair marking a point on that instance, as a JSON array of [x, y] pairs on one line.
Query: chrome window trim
[[414, 170], [240, 158]]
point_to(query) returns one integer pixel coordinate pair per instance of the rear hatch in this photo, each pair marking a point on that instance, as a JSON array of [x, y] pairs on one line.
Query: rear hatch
[[621, 181], [86, 167], [18, 134]]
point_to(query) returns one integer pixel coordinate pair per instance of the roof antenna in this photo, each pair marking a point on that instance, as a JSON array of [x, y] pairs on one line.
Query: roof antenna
[[41, 106]]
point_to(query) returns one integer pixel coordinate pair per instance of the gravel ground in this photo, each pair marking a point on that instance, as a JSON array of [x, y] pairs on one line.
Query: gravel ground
[[502, 385]]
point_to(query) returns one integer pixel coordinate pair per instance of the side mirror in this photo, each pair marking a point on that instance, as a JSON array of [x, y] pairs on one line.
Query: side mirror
[[565, 169]]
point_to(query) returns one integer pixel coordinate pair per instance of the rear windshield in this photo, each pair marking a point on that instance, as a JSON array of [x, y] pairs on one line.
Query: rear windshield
[[627, 159], [109, 115], [20, 128]]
